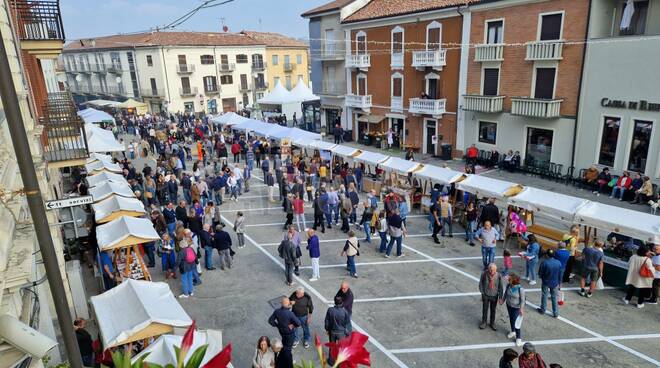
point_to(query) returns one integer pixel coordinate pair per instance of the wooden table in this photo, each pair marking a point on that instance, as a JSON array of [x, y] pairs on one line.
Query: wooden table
[[368, 184]]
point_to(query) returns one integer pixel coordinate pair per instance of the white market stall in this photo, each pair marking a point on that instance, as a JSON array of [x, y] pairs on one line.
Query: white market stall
[[90, 115], [546, 203], [440, 175], [93, 157], [125, 231], [302, 92], [115, 206], [371, 158], [101, 140], [229, 118], [103, 177], [401, 166], [162, 351], [280, 101], [483, 186], [345, 151], [101, 166], [109, 189], [137, 310], [639, 225]]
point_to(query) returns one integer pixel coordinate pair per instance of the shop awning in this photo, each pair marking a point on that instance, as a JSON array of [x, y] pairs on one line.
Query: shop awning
[[345, 151], [371, 118], [137, 310], [639, 225], [116, 206], [441, 175], [91, 115], [543, 202], [140, 107], [110, 188], [373, 158], [161, 351], [321, 145], [93, 157], [401, 166], [104, 177], [99, 166], [483, 186], [125, 231]]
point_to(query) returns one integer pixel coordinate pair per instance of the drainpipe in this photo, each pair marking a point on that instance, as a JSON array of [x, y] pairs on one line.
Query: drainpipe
[[577, 111], [167, 82]]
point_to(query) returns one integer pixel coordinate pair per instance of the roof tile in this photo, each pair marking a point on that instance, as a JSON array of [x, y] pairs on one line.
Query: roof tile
[[333, 5], [274, 39], [387, 8], [163, 39]]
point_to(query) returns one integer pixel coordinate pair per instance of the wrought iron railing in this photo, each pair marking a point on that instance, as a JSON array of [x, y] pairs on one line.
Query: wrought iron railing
[[64, 137], [38, 19]]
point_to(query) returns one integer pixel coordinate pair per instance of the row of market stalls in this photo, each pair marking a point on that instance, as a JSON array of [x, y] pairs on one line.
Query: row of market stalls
[[131, 105], [280, 101]]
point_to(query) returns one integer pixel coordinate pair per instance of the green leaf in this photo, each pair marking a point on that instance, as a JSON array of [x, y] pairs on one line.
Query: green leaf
[[127, 360], [196, 358], [153, 365], [117, 358], [138, 363]]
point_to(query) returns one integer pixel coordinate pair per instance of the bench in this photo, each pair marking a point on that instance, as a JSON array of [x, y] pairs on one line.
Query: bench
[[547, 236]]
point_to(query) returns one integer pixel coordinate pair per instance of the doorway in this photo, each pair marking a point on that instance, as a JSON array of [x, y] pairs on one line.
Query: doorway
[[397, 128], [429, 134]]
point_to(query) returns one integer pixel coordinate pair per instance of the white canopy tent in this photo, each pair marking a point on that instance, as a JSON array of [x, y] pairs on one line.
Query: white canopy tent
[[110, 188], [99, 166], [104, 103], [93, 157], [162, 351], [101, 140], [250, 125], [345, 151], [639, 225], [400, 165], [372, 158], [303, 93], [441, 175], [320, 145], [116, 206], [104, 177], [543, 202], [488, 187], [280, 96], [229, 118], [125, 231], [135, 310], [90, 115]]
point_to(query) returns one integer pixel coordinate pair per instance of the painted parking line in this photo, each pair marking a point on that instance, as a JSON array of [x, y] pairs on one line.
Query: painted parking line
[[513, 345], [397, 261], [254, 209]]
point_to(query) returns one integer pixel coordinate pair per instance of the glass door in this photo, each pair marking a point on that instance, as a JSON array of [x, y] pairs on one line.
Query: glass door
[[639, 147], [539, 144]]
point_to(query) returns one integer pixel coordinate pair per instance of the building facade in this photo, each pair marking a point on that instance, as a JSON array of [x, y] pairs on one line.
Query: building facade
[[619, 118]]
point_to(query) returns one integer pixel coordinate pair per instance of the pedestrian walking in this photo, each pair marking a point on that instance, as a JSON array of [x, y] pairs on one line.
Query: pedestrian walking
[[346, 295], [365, 221], [514, 297], [84, 340], [656, 280], [345, 213], [239, 228], [168, 257], [470, 223], [436, 220], [314, 253], [206, 242], [491, 288], [287, 251], [397, 230], [592, 267], [187, 267], [270, 183], [487, 236], [286, 323], [318, 213], [299, 212], [382, 231], [302, 307], [446, 216], [337, 321], [351, 250], [550, 274], [639, 279], [287, 207], [531, 257], [222, 242]]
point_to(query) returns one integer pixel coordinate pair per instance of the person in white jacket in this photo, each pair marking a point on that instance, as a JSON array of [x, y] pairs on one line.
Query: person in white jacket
[[635, 282], [239, 228]]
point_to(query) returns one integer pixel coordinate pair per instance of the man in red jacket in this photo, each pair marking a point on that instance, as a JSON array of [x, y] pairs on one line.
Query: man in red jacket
[[622, 184], [472, 154]]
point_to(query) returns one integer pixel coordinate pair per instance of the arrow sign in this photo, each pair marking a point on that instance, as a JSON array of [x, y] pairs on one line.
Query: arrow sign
[[69, 202]]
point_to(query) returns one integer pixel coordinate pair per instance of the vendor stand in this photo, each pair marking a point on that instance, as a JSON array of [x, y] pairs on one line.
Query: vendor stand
[[436, 175], [371, 180], [103, 177], [485, 187], [110, 188], [102, 166], [114, 207], [398, 173]]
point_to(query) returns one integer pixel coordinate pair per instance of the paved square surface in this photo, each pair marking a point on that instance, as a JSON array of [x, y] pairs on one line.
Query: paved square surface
[[421, 310]]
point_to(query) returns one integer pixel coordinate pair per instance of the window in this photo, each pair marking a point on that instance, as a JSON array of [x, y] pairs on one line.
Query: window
[[329, 45], [154, 88], [182, 59], [491, 81], [361, 42], [206, 59], [539, 144], [226, 79], [299, 59], [637, 24], [397, 40], [246, 100], [275, 60], [551, 27], [241, 59], [609, 140], [276, 80], [397, 85], [260, 81], [487, 132], [257, 61], [185, 85], [244, 81], [639, 147], [432, 86], [545, 83], [224, 60], [287, 80], [287, 60], [433, 36], [210, 84], [150, 61], [495, 31], [189, 106], [361, 84]]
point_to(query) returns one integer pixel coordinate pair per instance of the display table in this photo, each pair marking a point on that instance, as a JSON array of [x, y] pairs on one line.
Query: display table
[[369, 184], [615, 270]]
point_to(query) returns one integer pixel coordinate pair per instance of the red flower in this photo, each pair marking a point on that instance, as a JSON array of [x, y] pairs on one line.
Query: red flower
[[350, 352], [221, 360], [186, 343]]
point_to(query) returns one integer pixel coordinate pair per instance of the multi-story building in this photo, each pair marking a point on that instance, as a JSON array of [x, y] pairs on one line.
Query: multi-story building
[[523, 77], [327, 50], [619, 116], [33, 35]]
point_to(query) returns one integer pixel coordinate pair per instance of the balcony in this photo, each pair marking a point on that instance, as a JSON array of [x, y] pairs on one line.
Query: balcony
[[259, 66], [435, 59], [536, 107], [99, 89], [39, 27], [188, 91], [185, 68], [115, 68], [97, 68], [330, 53], [397, 61], [211, 90], [333, 88], [544, 50], [427, 106], [288, 67], [260, 86], [152, 92], [117, 90], [488, 104], [359, 61], [226, 67], [396, 104], [63, 139], [489, 52], [358, 101]]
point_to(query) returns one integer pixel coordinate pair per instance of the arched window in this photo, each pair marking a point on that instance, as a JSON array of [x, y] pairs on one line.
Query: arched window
[[433, 36], [361, 42]]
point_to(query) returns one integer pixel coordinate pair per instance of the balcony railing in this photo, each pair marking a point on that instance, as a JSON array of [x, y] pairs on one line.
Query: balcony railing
[[333, 88], [489, 52], [288, 67], [481, 103], [396, 103], [97, 68], [152, 92], [63, 139], [259, 66], [397, 60], [117, 90], [115, 68], [544, 50], [226, 67], [185, 68], [432, 58], [39, 20], [188, 91], [358, 101], [260, 86], [332, 53], [536, 107], [360, 61], [427, 106], [209, 90]]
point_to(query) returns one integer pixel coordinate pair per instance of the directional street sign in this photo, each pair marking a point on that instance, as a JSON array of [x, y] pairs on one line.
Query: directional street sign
[[69, 202]]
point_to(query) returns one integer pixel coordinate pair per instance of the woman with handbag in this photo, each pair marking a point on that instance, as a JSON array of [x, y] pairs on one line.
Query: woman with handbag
[[351, 250], [640, 276]]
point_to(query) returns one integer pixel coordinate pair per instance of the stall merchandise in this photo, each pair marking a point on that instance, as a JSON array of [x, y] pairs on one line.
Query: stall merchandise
[[109, 189], [140, 108], [136, 311], [104, 176], [125, 231], [162, 351], [483, 186], [116, 206], [542, 202]]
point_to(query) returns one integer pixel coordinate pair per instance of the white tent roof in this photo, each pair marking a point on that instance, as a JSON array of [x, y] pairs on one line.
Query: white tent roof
[[101, 140], [102, 165], [90, 115], [93, 157], [251, 124], [107, 189], [103, 177], [400, 165], [440, 174], [229, 118], [114, 204], [488, 187], [369, 157], [321, 145], [302, 93], [112, 234], [345, 151], [278, 96], [269, 129], [103, 103], [639, 225], [132, 307], [543, 202], [162, 352]]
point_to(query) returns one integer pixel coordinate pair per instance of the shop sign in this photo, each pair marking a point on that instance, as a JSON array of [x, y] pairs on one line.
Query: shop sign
[[641, 105]]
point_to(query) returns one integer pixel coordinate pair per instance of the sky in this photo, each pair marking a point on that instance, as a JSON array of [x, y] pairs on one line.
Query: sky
[[90, 18]]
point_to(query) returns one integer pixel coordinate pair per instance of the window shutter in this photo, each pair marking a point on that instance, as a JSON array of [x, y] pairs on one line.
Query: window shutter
[[545, 82], [551, 27], [491, 79]]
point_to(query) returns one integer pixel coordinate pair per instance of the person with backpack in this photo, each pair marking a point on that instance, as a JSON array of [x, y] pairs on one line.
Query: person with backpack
[[351, 250], [288, 252], [187, 267]]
